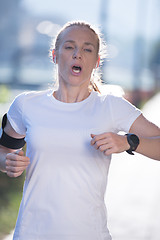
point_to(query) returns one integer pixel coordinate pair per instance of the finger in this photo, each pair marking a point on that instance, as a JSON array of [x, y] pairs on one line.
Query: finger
[[12, 174], [15, 169], [105, 147], [17, 163], [94, 139], [99, 141], [98, 137], [16, 157], [13, 163], [108, 151], [92, 135], [104, 141]]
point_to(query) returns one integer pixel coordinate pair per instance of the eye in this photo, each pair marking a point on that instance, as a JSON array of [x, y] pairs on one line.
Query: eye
[[68, 47], [87, 50]]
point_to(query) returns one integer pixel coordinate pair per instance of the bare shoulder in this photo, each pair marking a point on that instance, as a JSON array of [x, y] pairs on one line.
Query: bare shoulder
[[143, 127]]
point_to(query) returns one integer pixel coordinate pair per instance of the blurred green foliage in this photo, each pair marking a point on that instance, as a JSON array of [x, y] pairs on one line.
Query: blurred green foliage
[[10, 197], [10, 188], [4, 94]]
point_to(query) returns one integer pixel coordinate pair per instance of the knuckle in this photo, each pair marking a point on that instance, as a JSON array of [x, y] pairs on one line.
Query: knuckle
[[16, 157], [14, 175], [9, 174], [101, 148], [107, 152], [96, 138], [15, 164], [7, 168], [12, 169], [92, 141], [98, 144], [8, 155], [7, 162]]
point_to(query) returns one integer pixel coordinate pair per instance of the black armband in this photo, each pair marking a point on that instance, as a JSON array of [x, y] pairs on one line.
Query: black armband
[[8, 141]]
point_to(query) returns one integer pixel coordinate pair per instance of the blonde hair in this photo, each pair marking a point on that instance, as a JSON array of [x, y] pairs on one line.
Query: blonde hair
[[101, 47]]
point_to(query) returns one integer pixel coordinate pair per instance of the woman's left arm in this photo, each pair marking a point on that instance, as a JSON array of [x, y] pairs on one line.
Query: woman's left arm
[[149, 135]]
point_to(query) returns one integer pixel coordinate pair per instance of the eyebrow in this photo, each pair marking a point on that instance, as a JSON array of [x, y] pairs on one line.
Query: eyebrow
[[86, 43]]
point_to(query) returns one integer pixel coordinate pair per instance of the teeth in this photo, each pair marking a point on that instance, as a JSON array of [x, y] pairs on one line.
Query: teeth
[[76, 69]]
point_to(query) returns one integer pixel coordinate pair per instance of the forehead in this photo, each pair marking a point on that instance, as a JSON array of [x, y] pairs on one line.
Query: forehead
[[79, 34]]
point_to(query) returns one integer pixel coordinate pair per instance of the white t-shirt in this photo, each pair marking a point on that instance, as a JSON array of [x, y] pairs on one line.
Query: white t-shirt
[[63, 196]]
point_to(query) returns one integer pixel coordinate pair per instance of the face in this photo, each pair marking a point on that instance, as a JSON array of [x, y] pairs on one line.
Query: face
[[77, 55]]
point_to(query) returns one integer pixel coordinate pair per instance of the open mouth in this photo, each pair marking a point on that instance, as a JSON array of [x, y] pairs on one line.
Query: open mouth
[[76, 69]]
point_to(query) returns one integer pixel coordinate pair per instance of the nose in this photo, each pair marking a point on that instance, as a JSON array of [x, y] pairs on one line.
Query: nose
[[77, 54]]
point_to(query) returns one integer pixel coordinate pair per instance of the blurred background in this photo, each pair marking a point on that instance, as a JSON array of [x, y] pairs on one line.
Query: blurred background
[[132, 32]]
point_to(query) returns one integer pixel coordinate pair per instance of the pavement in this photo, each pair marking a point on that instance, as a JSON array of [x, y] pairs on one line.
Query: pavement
[[133, 192]]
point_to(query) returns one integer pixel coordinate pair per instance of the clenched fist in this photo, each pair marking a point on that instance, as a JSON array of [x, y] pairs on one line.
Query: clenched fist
[[16, 163], [110, 143]]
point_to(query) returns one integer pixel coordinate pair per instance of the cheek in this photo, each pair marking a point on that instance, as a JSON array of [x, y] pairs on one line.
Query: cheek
[[62, 59], [91, 65], [92, 60], [62, 67]]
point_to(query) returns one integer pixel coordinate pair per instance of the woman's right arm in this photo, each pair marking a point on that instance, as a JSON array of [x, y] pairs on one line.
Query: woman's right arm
[[13, 162]]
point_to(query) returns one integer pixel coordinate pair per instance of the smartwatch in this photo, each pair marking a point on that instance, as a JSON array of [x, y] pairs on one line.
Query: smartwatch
[[133, 141]]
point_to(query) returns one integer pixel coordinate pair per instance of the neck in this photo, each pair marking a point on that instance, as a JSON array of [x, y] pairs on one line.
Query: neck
[[71, 94]]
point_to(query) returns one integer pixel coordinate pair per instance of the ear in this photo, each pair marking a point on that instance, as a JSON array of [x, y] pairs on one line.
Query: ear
[[54, 56], [98, 62]]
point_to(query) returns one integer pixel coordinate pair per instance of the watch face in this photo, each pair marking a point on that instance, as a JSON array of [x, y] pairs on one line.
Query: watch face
[[134, 139]]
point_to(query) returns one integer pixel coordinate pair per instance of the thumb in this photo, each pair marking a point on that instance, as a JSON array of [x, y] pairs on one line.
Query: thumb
[[20, 152]]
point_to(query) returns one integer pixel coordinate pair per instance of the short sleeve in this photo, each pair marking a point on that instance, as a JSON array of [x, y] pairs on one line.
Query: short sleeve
[[124, 113], [15, 114]]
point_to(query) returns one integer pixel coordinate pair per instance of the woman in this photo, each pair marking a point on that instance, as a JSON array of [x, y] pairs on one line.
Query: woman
[[71, 134]]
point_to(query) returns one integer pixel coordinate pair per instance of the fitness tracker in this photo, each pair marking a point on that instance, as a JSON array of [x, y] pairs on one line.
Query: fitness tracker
[[133, 141]]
